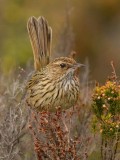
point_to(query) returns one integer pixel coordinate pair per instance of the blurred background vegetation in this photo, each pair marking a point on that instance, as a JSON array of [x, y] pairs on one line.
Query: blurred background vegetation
[[91, 28]]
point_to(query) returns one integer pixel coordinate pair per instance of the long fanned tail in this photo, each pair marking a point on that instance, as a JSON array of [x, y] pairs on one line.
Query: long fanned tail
[[40, 34]]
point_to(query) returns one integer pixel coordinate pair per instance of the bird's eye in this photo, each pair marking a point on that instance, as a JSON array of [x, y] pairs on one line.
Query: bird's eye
[[62, 65]]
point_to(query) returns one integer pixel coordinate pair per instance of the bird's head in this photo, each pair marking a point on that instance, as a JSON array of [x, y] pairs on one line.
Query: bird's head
[[63, 66]]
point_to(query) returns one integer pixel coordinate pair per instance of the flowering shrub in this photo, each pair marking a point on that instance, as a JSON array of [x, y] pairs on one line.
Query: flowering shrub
[[106, 108], [51, 140], [54, 136]]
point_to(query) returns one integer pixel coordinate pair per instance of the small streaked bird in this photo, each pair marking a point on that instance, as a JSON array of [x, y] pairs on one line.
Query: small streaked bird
[[54, 83]]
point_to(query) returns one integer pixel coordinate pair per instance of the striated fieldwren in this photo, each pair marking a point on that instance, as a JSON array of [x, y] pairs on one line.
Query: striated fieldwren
[[54, 83]]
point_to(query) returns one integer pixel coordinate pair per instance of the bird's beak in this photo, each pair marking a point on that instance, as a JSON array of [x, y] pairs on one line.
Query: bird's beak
[[78, 65]]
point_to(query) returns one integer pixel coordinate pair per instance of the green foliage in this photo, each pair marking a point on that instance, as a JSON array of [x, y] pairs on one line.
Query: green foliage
[[18, 54], [86, 20]]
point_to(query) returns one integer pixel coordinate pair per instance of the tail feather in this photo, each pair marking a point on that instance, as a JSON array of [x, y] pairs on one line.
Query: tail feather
[[40, 34]]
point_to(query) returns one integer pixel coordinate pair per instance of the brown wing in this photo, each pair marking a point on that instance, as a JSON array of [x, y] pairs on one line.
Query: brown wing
[[40, 34]]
